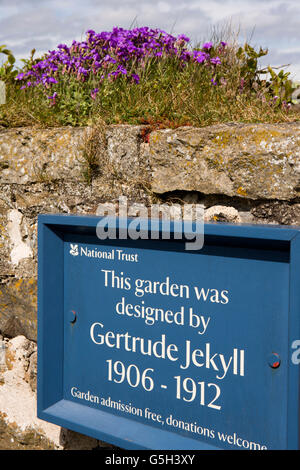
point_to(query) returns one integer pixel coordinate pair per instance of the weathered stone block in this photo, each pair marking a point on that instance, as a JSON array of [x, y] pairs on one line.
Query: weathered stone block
[[19, 426], [123, 150], [278, 212], [18, 307], [31, 372], [222, 214], [246, 160], [36, 155]]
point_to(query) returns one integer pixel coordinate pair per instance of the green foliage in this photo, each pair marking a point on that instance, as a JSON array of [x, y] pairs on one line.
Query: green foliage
[[167, 95], [28, 63], [249, 62], [277, 89], [7, 71], [280, 86]]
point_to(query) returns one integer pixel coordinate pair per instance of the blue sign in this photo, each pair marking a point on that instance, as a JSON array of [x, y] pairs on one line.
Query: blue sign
[[146, 345]]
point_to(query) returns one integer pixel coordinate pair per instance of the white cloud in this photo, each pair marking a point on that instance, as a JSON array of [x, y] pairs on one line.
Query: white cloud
[[164, 7]]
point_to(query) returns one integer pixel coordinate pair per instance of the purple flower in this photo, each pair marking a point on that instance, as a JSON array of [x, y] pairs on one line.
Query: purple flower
[[286, 106], [122, 70], [200, 56], [94, 93], [46, 80], [185, 38], [108, 58], [207, 46], [216, 61], [107, 55], [63, 46], [20, 76], [53, 97], [82, 70], [135, 77]]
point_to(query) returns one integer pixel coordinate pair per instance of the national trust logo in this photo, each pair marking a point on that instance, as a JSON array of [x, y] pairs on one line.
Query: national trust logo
[[74, 250]]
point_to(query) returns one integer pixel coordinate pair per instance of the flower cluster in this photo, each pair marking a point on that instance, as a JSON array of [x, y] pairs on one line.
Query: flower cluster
[[108, 55]]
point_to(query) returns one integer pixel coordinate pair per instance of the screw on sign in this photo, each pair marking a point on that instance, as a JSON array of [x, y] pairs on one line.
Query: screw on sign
[[274, 361], [72, 316]]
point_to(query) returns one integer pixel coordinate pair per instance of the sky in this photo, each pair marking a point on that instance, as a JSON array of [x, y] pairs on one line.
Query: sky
[[43, 24]]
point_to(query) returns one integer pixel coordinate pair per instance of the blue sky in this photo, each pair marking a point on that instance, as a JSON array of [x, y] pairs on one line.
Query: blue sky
[[43, 24]]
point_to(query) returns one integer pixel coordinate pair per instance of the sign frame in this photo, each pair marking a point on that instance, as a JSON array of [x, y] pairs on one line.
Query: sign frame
[[103, 425]]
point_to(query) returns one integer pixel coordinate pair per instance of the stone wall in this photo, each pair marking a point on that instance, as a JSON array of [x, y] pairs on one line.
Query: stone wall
[[240, 173]]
